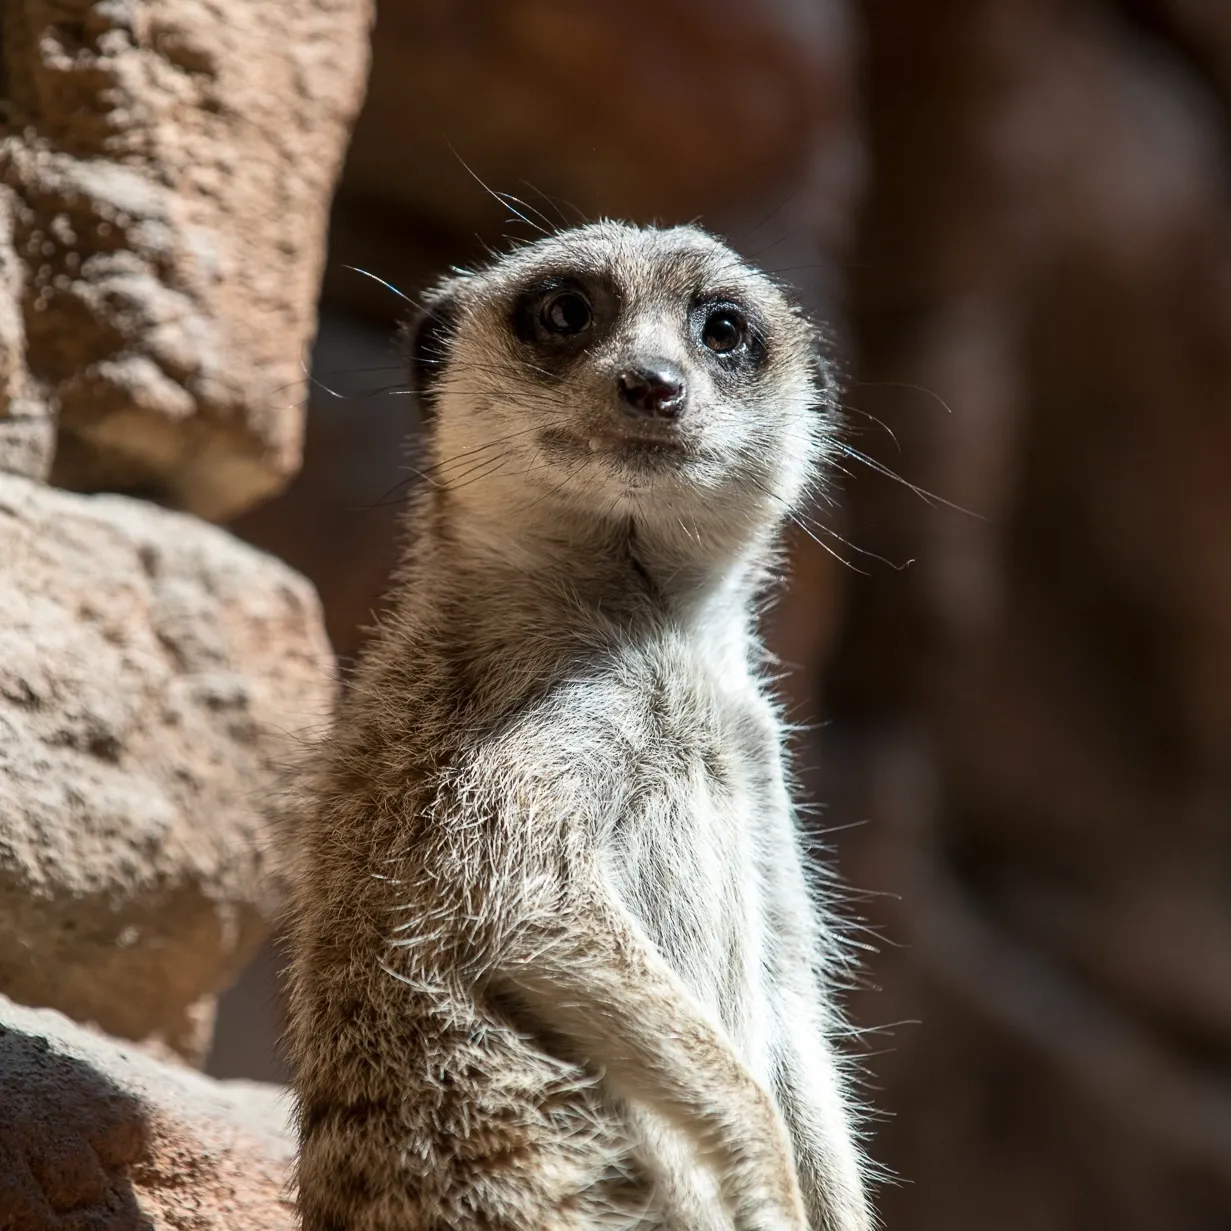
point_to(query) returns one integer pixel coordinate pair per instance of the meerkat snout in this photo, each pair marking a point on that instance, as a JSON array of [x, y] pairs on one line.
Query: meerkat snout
[[653, 390], [614, 372]]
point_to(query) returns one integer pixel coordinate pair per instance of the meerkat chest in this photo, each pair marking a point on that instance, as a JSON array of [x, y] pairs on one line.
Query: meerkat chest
[[690, 847]]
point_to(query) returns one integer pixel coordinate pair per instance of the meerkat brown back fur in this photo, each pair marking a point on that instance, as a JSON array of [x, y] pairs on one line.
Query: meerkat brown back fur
[[555, 961]]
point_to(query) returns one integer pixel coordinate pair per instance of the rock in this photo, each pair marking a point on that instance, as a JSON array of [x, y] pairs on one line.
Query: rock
[[169, 170], [153, 673], [96, 1134], [27, 427]]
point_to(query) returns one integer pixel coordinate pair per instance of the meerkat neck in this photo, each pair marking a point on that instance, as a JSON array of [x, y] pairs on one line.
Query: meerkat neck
[[574, 580]]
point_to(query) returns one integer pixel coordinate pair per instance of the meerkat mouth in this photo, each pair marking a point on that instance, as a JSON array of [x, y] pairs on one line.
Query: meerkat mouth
[[618, 443], [601, 442]]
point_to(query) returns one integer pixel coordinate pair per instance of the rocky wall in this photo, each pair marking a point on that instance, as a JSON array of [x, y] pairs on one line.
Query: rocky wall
[[165, 179]]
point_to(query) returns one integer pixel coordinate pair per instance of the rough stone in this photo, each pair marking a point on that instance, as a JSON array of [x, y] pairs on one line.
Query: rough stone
[[27, 426], [153, 674], [96, 1134], [169, 170]]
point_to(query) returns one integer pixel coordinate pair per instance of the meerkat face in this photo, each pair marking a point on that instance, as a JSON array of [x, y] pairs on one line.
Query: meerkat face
[[613, 372]]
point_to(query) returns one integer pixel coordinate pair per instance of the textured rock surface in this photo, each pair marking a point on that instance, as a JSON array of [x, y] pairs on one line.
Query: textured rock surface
[[152, 669], [27, 426], [95, 1134], [168, 172]]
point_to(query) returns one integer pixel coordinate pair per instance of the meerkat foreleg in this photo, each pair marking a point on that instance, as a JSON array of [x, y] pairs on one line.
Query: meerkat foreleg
[[815, 1110], [595, 978]]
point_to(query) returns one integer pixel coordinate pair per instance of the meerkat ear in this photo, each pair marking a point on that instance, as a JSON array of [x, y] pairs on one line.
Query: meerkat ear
[[428, 340]]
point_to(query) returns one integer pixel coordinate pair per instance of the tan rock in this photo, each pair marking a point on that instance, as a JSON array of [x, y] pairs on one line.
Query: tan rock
[[153, 672], [27, 427], [96, 1134], [170, 169]]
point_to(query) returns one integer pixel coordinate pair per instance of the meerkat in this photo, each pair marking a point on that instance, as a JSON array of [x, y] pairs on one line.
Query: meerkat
[[555, 963]]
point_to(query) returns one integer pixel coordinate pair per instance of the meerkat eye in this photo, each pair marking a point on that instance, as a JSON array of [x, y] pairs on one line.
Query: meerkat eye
[[725, 330], [566, 312]]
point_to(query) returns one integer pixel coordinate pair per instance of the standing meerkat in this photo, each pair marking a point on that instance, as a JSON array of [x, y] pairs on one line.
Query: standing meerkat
[[555, 964]]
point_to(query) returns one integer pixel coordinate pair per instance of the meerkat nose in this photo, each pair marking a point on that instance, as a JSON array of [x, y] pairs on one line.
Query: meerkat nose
[[653, 390]]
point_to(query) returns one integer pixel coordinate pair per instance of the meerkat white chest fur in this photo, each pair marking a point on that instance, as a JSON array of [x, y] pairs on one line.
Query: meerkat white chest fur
[[555, 961]]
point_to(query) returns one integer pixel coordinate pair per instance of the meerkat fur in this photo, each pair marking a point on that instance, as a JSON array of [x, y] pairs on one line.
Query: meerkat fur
[[555, 963]]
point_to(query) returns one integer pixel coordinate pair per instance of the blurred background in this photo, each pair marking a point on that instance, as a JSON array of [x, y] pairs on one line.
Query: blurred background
[[1015, 691]]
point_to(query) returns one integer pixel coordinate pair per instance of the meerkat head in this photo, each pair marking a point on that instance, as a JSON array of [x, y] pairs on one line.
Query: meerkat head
[[619, 374]]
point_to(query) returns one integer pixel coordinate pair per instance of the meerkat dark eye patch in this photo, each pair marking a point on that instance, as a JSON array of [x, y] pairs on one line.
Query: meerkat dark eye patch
[[566, 312], [560, 317], [553, 310], [727, 332]]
